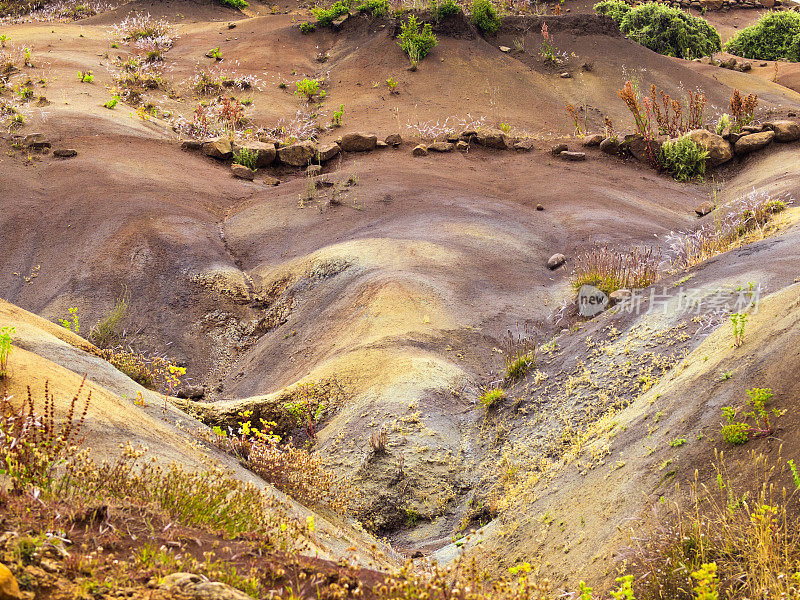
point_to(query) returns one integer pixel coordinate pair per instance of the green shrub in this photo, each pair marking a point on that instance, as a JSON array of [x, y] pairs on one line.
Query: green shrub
[[775, 36], [484, 16], [306, 27], [246, 157], [326, 16], [377, 8], [416, 42], [5, 349], [670, 31], [240, 4], [443, 9], [723, 123], [735, 433], [616, 9], [336, 120], [308, 88], [491, 398], [683, 158]]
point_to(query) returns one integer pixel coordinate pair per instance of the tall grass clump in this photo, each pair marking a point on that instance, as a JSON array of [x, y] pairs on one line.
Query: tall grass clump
[[749, 533], [775, 36], [728, 224], [106, 333], [520, 356], [292, 470], [670, 31], [609, 270]]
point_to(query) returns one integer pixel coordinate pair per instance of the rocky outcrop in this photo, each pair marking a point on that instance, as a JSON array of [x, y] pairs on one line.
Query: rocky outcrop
[[9, 589], [643, 150], [441, 147], [242, 172], [328, 151], [219, 148], [719, 149], [609, 146], [704, 208], [753, 142], [420, 150], [591, 141], [299, 154], [785, 131], [194, 587], [492, 138], [265, 153], [358, 142], [573, 156], [525, 145]]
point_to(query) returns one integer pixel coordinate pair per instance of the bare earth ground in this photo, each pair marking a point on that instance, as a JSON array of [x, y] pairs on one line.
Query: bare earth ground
[[402, 295]]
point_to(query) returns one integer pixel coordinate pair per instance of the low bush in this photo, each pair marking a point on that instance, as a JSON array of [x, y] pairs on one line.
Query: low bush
[[443, 9], [753, 423], [484, 16], [326, 16], [416, 41], [616, 9], [743, 110], [136, 27], [776, 36], [150, 372], [306, 27], [307, 88], [240, 4], [376, 8], [683, 158], [670, 31], [245, 157]]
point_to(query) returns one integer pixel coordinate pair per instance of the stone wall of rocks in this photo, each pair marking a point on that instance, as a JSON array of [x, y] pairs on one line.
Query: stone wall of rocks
[[311, 155], [721, 148]]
